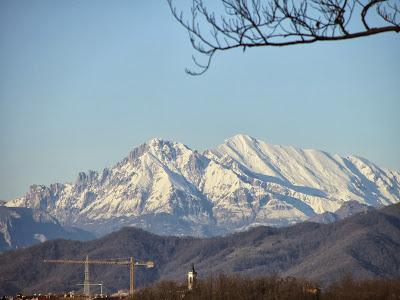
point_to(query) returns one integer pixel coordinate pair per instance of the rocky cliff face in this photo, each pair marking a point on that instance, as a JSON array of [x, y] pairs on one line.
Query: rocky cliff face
[[168, 188]]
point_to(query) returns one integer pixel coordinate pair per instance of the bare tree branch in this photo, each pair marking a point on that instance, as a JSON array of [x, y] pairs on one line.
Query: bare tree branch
[[277, 23]]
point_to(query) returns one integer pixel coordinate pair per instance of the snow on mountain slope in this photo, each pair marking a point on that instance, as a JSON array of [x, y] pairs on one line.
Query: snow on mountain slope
[[167, 188], [322, 180], [347, 210]]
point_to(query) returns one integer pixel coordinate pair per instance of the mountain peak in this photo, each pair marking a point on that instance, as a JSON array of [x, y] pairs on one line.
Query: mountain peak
[[157, 140], [159, 148], [161, 144], [241, 138]]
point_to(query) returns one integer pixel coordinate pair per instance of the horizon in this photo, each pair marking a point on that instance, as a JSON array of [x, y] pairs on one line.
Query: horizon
[[82, 84]]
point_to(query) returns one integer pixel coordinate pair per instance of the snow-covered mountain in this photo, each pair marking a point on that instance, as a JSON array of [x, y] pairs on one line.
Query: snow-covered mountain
[[168, 188]]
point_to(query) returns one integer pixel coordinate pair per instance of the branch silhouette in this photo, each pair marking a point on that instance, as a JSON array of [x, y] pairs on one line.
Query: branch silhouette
[[278, 23]]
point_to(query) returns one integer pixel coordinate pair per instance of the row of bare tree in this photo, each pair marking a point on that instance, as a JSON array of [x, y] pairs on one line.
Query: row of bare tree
[[223, 287]]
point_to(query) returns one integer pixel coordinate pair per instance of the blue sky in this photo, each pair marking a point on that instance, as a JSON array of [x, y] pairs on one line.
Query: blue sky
[[83, 82]]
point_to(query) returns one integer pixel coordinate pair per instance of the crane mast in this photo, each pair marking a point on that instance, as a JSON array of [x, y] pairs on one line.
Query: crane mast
[[131, 276], [86, 284], [127, 262], [95, 284]]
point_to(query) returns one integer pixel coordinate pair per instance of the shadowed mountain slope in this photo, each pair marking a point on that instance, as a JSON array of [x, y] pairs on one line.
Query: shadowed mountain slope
[[22, 227]]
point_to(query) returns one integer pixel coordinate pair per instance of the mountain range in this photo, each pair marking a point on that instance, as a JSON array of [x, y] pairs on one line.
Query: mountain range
[[167, 188], [365, 245]]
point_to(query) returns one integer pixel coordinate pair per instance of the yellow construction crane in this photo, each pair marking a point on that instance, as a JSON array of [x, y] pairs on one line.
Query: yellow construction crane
[[127, 262]]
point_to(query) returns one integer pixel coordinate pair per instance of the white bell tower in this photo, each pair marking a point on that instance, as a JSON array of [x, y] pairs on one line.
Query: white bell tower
[[192, 278]]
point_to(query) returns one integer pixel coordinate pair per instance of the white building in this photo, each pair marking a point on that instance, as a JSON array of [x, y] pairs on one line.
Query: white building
[[192, 278]]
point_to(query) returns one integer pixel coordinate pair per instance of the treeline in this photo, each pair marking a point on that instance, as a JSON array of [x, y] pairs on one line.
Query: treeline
[[225, 287]]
